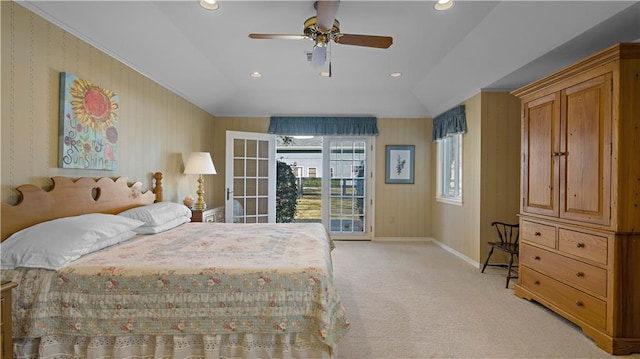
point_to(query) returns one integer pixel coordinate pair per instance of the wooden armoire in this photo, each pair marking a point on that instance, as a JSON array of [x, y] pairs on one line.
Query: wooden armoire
[[580, 203]]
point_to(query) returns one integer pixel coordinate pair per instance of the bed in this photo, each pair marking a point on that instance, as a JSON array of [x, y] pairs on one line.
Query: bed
[[197, 290]]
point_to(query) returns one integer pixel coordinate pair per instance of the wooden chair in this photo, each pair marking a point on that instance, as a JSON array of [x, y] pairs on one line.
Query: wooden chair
[[509, 234]]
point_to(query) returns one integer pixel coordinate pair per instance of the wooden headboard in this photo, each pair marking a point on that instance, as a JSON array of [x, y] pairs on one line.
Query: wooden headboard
[[70, 197]]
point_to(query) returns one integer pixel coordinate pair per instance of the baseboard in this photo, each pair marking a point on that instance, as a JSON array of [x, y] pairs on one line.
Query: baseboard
[[474, 263], [401, 239]]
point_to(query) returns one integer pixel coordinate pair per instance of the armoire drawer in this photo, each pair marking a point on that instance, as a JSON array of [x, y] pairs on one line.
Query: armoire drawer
[[538, 233], [584, 245], [568, 299], [575, 273]]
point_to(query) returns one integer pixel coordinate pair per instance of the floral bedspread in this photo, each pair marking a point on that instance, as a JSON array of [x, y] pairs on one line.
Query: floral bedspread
[[199, 278]]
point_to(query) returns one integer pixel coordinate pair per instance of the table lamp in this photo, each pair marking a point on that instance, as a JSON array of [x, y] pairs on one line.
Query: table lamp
[[200, 163]]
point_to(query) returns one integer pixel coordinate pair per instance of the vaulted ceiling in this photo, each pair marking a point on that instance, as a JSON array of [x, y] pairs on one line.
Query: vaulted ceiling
[[444, 56]]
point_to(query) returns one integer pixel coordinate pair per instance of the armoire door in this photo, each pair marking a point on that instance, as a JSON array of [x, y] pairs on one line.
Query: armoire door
[[585, 153], [540, 141]]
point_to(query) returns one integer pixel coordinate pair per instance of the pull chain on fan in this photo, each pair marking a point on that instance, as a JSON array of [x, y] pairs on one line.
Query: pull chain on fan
[[329, 61]]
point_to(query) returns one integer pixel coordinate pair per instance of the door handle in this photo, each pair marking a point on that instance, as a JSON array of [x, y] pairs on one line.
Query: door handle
[[228, 193]]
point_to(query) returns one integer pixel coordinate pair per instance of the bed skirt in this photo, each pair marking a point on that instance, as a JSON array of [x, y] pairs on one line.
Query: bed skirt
[[237, 345]]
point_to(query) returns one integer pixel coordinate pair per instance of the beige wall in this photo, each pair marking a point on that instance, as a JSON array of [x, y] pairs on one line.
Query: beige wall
[[490, 172], [157, 128], [500, 188], [453, 225], [404, 210], [400, 208]]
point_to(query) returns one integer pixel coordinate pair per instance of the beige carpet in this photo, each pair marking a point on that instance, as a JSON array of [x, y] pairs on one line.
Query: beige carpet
[[416, 300]]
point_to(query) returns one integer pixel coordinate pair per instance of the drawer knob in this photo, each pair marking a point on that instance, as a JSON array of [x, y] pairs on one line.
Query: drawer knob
[[536, 282], [537, 234], [537, 258], [579, 303], [580, 274], [580, 245]]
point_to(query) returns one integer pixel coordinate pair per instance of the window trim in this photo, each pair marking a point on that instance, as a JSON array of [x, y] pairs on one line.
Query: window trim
[[458, 200]]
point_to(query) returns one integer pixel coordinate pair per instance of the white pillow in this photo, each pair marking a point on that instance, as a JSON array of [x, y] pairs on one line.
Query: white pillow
[[108, 242], [163, 227], [55, 244], [157, 213]]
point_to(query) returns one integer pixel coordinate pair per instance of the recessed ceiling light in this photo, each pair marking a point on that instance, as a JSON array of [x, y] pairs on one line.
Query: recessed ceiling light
[[209, 4], [255, 74], [395, 74], [443, 4], [325, 74]]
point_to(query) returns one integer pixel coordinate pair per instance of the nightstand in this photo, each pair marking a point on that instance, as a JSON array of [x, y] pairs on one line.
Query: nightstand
[[6, 336], [208, 215]]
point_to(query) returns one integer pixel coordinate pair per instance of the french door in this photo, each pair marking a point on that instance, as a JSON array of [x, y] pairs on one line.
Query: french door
[[347, 200], [250, 177]]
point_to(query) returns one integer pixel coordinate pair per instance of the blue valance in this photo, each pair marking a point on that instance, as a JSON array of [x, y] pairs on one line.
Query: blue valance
[[449, 123], [323, 126]]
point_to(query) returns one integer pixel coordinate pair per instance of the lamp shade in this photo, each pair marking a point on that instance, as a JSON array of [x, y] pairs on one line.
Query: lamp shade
[[200, 163]]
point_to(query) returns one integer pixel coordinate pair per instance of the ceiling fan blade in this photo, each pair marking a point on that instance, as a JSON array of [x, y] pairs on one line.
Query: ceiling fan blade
[[318, 56], [279, 36], [381, 42], [326, 13]]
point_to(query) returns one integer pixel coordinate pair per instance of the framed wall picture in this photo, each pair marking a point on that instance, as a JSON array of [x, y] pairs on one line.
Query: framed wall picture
[[88, 125], [400, 163]]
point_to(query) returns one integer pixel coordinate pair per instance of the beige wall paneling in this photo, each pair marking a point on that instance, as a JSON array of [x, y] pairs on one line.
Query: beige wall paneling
[[457, 226], [500, 188], [401, 209], [157, 128], [491, 117]]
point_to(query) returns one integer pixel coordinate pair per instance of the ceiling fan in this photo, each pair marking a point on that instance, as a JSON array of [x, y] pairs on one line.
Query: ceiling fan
[[324, 28]]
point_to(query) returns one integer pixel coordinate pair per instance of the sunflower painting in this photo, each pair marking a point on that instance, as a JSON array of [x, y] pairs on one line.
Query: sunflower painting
[[88, 125]]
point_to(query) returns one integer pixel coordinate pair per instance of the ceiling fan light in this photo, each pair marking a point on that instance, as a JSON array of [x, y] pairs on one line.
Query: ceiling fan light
[[441, 5], [209, 4], [319, 56]]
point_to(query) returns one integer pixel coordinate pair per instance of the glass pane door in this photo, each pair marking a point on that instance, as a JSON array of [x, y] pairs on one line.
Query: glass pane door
[[348, 203], [250, 177]]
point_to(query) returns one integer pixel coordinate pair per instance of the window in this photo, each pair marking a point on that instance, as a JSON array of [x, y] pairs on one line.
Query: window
[[313, 172], [449, 180]]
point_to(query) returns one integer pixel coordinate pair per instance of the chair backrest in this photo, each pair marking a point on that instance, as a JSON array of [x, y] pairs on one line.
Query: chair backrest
[[508, 233]]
